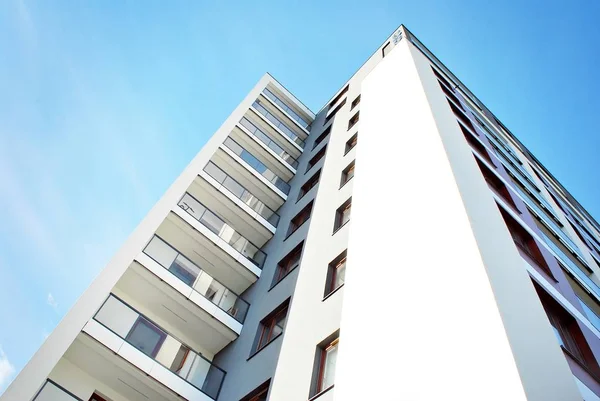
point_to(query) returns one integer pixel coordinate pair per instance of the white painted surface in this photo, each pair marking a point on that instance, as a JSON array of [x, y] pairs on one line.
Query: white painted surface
[[413, 243]]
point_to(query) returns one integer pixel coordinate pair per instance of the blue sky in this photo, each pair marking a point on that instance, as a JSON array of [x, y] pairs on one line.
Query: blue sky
[[103, 103]]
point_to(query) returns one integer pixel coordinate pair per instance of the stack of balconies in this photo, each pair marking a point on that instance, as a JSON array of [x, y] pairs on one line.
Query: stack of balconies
[[180, 301]]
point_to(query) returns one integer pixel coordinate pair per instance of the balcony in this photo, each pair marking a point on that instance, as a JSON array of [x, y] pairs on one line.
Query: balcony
[[51, 391], [135, 338], [197, 282], [267, 113], [290, 112], [252, 130], [222, 230], [253, 164]]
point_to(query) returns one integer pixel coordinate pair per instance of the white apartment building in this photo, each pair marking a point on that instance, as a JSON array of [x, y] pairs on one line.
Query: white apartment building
[[450, 266]]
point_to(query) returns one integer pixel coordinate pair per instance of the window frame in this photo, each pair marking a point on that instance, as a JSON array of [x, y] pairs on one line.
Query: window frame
[[353, 120], [355, 102], [338, 96], [340, 213], [305, 210], [322, 136], [313, 181], [290, 262], [345, 172], [351, 143], [316, 158], [264, 335], [333, 273]]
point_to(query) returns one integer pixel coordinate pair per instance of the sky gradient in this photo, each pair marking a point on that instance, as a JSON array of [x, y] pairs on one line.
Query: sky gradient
[[103, 103]]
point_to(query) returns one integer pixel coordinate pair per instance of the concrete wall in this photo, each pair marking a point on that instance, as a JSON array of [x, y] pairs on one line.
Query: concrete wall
[[427, 236]]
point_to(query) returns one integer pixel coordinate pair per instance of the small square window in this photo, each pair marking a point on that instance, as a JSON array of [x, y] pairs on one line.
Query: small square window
[[347, 174], [271, 327], [299, 219], [355, 102], [342, 215], [258, 394], [308, 185], [322, 137], [351, 143], [315, 159], [353, 120], [323, 377], [338, 97], [334, 112], [336, 274], [288, 263]]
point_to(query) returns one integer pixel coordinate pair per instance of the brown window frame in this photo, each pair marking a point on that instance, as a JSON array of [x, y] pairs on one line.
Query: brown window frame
[[355, 103], [334, 112], [351, 143], [333, 273], [340, 213], [288, 263], [309, 184], [322, 364], [321, 137], [304, 214], [260, 393], [316, 158], [267, 325], [353, 120], [349, 168], [338, 96]]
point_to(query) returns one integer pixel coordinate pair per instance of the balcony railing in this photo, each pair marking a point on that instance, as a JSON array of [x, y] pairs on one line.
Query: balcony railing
[[571, 266], [236, 189], [264, 138], [285, 107], [214, 223], [281, 126], [550, 223], [257, 165], [192, 275], [51, 391], [150, 339]]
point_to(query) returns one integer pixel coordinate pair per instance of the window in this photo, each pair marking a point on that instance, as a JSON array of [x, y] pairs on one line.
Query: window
[[347, 174], [97, 397], [525, 243], [271, 327], [308, 185], [288, 263], [324, 366], [451, 95], [315, 159], [322, 137], [299, 219], [258, 394], [336, 274], [475, 144], [497, 185], [342, 215], [355, 102], [333, 113], [351, 143], [386, 49], [443, 79], [353, 120], [461, 116], [567, 332], [338, 97], [146, 337]]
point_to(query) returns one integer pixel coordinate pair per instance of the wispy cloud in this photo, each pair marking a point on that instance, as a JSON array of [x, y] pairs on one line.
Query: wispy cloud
[[6, 369], [51, 301]]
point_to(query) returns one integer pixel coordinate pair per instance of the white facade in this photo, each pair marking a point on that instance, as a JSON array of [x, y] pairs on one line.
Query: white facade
[[206, 301]]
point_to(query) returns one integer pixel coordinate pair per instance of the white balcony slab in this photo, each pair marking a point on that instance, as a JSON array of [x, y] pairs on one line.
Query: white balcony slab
[[217, 240], [237, 201], [103, 335], [177, 384], [262, 179]]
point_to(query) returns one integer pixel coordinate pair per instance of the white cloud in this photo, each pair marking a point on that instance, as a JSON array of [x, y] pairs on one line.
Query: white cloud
[[6, 369], [51, 301]]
